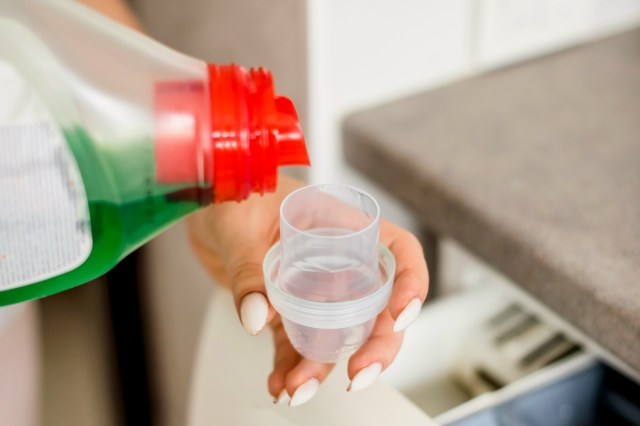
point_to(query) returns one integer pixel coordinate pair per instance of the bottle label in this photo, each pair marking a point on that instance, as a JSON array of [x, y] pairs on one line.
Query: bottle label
[[44, 217]]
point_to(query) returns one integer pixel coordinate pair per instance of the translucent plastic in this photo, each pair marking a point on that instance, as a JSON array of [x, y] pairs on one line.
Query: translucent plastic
[[328, 331], [98, 80], [75, 61], [329, 243], [328, 276], [137, 119]]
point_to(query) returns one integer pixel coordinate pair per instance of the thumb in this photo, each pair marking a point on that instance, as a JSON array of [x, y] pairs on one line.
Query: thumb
[[247, 285]]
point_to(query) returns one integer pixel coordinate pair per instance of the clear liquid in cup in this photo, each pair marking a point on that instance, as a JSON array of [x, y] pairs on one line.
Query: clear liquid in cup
[[327, 344], [321, 274]]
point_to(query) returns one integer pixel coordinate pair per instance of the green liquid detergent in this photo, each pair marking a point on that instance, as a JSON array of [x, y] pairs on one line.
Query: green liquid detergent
[[117, 227], [107, 137]]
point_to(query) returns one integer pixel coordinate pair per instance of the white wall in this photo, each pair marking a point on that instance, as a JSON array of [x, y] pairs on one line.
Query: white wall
[[512, 30], [364, 52]]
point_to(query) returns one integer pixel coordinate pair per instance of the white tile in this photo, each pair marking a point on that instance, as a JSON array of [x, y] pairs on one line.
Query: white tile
[[615, 15], [364, 52], [509, 31], [382, 49], [512, 30]]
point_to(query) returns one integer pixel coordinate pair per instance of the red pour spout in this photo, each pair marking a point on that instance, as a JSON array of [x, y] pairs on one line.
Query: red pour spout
[[232, 137], [253, 132], [291, 148]]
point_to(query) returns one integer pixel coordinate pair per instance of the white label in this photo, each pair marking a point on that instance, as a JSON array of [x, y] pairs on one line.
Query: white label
[[44, 216]]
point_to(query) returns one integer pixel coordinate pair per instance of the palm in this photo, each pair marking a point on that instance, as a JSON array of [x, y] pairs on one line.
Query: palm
[[231, 239]]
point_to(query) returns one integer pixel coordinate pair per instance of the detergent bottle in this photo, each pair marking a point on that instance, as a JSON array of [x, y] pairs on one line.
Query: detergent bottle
[[107, 137]]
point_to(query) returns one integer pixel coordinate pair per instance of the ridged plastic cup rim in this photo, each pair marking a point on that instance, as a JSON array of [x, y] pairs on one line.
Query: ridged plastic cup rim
[[328, 315]]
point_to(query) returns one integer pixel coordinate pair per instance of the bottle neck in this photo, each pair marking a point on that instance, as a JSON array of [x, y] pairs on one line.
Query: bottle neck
[[231, 137], [253, 132]]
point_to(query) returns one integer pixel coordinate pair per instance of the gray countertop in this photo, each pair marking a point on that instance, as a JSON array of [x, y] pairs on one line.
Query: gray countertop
[[535, 168]]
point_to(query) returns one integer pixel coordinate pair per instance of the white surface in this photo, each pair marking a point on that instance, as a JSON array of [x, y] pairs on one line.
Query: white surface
[[230, 385], [513, 30], [433, 343]]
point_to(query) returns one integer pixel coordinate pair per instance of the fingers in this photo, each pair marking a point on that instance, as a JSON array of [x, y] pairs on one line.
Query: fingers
[[376, 354], [247, 284], [254, 312], [300, 378], [304, 380], [285, 359], [411, 284], [241, 270], [294, 379], [412, 277]]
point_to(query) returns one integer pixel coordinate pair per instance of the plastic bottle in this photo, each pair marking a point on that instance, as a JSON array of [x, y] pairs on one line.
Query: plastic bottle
[[107, 137]]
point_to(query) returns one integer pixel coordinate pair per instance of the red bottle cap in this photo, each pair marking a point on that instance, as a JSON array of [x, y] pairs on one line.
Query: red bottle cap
[[251, 133]]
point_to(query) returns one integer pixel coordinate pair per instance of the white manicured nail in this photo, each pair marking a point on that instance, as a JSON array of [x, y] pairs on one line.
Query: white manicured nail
[[282, 398], [305, 392], [408, 315], [254, 311], [365, 377]]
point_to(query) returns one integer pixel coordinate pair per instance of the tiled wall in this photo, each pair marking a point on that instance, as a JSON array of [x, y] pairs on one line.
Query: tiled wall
[[512, 30]]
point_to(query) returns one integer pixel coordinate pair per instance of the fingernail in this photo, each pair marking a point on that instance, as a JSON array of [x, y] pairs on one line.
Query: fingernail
[[365, 377], [305, 392], [408, 315], [254, 310], [282, 398]]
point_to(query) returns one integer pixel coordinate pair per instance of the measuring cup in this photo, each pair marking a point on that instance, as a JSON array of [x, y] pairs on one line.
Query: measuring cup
[[328, 276]]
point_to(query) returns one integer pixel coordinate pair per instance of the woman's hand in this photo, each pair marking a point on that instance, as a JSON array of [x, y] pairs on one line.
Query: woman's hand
[[231, 240]]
